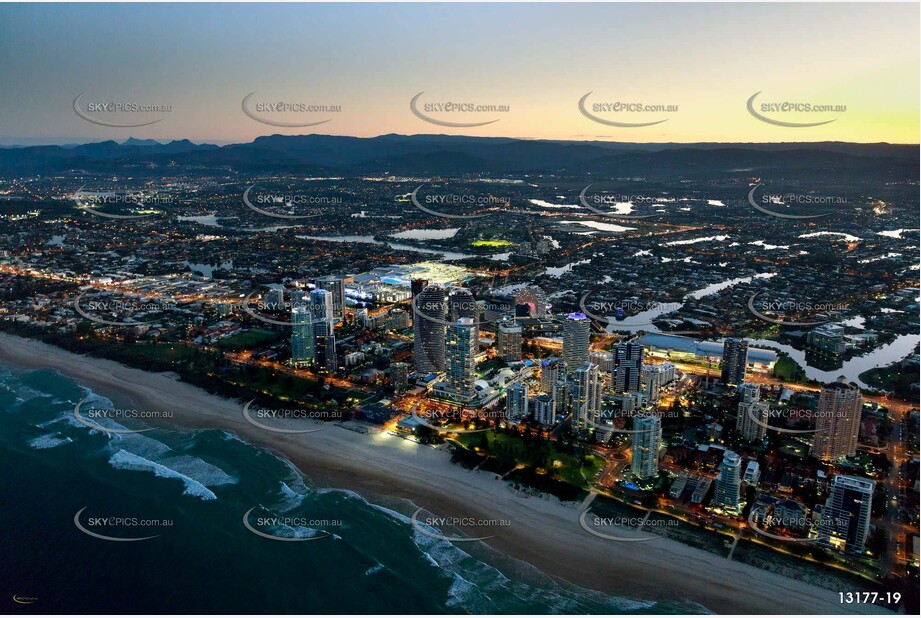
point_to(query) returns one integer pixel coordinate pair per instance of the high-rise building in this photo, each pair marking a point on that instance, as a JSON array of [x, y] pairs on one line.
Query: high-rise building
[[627, 363], [551, 381], [845, 521], [417, 285], [324, 335], [735, 361], [655, 377], [335, 286], [586, 396], [837, 421], [399, 376], [462, 304], [646, 444], [549, 375], [750, 405], [575, 340], [604, 360], [429, 315], [461, 346], [508, 341], [275, 299], [728, 483], [545, 410], [397, 319], [516, 400], [301, 336]]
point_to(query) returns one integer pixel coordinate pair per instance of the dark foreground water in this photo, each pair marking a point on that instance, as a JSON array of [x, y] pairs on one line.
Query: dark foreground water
[[189, 490]]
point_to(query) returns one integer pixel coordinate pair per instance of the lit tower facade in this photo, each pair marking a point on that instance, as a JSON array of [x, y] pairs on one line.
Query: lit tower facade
[[837, 421]]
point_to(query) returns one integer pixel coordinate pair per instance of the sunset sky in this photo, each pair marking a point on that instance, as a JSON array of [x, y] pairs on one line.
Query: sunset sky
[[539, 60]]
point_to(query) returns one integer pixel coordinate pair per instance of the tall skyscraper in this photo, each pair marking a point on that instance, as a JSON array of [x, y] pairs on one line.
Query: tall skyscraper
[[551, 376], [462, 304], [545, 410], [335, 286], [845, 521], [324, 334], [462, 343], [399, 376], [751, 406], [508, 341], [626, 363], [646, 444], [516, 401], [728, 482], [429, 329], [586, 396], [837, 421], [417, 285], [575, 340], [735, 361], [301, 336]]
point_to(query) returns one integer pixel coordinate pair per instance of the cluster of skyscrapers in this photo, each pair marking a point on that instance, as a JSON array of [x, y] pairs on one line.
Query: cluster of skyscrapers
[[313, 335], [446, 341]]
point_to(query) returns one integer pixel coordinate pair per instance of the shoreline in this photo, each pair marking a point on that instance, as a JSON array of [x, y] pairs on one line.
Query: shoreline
[[543, 533]]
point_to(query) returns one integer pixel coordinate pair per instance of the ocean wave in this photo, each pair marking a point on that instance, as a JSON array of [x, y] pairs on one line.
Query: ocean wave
[[377, 568], [50, 440], [297, 532], [477, 587], [193, 468], [129, 461]]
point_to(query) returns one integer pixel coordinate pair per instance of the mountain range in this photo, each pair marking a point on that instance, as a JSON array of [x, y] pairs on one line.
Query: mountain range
[[458, 155]]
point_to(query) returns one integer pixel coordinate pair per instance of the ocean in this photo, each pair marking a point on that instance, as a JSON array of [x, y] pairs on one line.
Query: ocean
[[183, 495]]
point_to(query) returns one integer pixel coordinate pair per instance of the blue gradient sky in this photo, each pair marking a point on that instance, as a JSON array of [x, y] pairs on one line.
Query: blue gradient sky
[[538, 59]]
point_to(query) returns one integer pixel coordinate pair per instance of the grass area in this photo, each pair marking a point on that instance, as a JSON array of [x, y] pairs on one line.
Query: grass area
[[794, 448], [894, 378], [250, 339], [165, 352], [492, 243], [806, 563], [787, 369], [564, 465]]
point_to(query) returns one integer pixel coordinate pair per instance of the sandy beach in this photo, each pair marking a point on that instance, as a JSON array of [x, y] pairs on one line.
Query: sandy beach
[[543, 532]]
